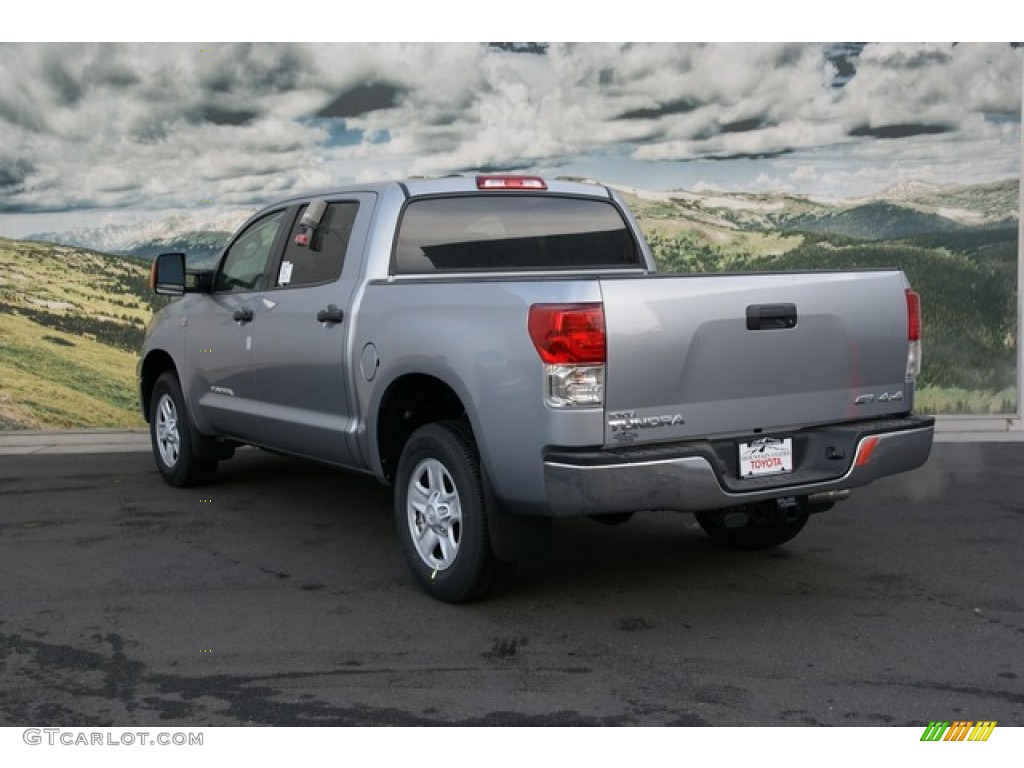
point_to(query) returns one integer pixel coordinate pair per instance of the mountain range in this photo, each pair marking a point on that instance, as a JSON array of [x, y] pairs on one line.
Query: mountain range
[[199, 234], [903, 210], [71, 319]]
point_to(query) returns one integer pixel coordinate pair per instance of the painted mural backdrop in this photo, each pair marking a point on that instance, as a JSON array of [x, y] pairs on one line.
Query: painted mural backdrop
[[735, 157]]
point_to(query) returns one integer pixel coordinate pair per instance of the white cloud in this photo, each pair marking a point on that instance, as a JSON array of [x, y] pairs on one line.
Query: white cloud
[[161, 126]]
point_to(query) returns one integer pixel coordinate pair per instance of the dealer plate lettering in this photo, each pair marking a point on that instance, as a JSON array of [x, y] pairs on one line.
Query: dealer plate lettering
[[766, 456]]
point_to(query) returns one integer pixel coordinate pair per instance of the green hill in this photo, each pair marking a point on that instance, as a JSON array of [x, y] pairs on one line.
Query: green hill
[[968, 306], [872, 221], [71, 321], [966, 275]]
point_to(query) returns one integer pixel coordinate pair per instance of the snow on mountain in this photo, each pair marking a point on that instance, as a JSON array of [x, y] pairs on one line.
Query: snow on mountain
[[909, 190], [179, 226]]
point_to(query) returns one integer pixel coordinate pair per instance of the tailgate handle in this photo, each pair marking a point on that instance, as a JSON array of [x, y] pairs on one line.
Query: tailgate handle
[[771, 317]]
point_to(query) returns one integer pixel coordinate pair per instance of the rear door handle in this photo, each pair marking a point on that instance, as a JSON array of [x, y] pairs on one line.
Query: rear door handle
[[332, 314], [771, 317], [242, 316]]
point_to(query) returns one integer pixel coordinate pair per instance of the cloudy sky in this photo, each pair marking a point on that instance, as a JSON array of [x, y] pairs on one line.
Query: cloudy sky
[[94, 134]]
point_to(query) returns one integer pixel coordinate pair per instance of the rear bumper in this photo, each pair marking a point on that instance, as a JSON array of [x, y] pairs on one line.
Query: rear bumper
[[699, 476]]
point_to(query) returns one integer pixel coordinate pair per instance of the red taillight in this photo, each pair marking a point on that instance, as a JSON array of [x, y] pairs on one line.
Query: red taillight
[[913, 316], [568, 334], [510, 182]]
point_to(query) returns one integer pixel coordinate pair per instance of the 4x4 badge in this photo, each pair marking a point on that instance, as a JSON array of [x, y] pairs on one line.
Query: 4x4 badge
[[885, 397]]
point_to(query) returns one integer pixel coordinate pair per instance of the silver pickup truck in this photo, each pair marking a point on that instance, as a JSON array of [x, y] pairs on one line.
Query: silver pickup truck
[[501, 351]]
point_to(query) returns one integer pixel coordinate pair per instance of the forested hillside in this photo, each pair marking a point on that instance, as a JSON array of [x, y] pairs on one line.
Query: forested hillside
[[967, 278], [71, 322]]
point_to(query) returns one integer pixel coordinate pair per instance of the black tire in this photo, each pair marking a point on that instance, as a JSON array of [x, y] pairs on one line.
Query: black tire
[[440, 514], [755, 526], [613, 518], [170, 432]]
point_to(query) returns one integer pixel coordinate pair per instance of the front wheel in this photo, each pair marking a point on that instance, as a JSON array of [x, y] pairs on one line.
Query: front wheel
[[754, 526], [440, 514], [171, 435]]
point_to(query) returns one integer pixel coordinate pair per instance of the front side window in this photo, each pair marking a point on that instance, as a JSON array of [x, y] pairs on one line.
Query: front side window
[[512, 232], [246, 260]]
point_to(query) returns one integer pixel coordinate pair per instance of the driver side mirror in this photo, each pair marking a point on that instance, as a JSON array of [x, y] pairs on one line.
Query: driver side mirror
[[167, 275]]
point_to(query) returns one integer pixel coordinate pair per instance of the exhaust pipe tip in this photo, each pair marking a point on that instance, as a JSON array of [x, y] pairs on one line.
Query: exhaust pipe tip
[[828, 497]]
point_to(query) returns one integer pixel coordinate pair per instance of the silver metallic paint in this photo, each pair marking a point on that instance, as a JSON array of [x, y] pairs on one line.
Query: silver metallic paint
[[675, 346]]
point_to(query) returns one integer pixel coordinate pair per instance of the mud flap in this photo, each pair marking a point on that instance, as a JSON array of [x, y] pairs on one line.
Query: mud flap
[[206, 448], [515, 537]]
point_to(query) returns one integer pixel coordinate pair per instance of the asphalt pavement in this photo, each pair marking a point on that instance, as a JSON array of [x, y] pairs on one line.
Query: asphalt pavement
[[278, 595]]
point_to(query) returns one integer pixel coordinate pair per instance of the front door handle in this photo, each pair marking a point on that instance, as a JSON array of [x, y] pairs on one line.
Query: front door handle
[[332, 314], [242, 316]]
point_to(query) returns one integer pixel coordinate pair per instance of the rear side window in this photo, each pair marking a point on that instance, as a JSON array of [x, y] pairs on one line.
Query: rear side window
[[512, 232], [321, 258]]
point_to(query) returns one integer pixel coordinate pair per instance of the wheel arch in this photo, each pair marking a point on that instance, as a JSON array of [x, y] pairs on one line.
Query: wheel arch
[[156, 363], [413, 400], [409, 402]]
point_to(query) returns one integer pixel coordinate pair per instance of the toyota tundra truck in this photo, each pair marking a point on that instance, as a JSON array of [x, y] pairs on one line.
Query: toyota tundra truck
[[501, 351]]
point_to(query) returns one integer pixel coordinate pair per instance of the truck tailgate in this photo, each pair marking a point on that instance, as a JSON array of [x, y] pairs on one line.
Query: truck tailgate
[[748, 354]]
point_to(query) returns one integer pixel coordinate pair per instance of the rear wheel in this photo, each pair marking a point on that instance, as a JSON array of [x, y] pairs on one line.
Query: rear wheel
[[440, 514], [612, 518], [171, 434], [754, 526]]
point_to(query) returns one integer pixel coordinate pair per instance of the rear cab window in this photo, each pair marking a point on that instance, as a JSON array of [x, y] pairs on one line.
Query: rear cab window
[[499, 232]]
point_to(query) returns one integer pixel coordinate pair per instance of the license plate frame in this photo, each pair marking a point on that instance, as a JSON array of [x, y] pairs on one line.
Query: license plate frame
[[765, 456]]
